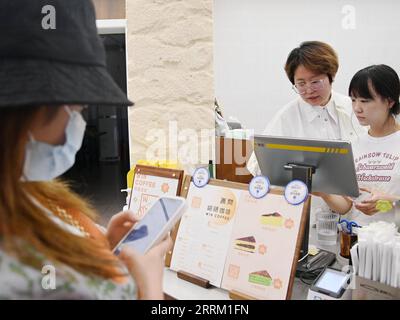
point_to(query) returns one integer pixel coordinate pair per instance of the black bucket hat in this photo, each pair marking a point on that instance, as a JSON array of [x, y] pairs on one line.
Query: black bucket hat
[[51, 54]]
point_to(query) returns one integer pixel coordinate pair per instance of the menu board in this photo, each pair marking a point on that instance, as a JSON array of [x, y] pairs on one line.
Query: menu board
[[262, 246], [238, 242], [203, 236]]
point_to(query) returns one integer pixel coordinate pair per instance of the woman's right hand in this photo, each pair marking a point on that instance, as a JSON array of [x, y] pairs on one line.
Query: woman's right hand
[[147, 269]]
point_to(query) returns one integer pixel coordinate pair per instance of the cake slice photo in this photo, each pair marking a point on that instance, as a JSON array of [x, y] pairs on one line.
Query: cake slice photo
[[260, 277], [247, 244], [272, 219]]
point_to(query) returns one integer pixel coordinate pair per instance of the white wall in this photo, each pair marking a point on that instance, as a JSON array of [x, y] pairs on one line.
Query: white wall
[[252, 39]]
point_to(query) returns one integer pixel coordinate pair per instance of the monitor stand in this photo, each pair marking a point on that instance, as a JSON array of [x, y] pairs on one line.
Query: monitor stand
[[303, 173], [323, 258]]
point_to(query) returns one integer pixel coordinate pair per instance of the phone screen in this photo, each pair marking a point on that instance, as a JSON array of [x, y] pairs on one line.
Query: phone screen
[[332, 280], [151, 224]]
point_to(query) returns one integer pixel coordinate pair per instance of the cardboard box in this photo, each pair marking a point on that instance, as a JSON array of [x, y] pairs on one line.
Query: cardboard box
[[373, 290]]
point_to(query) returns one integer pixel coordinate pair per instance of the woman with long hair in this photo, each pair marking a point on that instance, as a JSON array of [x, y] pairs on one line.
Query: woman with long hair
[[47, 77]]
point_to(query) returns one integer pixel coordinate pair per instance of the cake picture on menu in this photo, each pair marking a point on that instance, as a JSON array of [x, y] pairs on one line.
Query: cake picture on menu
[[260, 277], [272, 219], [247, 244]]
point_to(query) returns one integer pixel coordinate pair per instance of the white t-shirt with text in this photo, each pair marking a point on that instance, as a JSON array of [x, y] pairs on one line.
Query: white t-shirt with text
[[377, 163]]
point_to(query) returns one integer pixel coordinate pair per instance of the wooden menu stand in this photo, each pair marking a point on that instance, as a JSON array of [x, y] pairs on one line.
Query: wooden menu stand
[[183, 193], [236, 295], [193, 279]]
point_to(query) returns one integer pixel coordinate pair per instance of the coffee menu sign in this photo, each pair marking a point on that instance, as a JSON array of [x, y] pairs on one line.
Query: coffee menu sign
[[239, 242]]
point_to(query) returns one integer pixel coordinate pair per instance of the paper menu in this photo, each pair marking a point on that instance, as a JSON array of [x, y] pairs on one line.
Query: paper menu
[[147, 189], [262, 246], [204, 232]]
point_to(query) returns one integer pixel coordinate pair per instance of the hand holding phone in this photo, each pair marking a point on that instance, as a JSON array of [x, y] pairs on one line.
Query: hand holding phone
[[155, 225], [148, 269]]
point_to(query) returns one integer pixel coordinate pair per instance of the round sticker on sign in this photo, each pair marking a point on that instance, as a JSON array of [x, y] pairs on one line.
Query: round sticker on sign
[[259, 187], [201, 176], [296, 192]]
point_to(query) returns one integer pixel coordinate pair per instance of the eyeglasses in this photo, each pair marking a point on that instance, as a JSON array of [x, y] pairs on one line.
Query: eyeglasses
[[315, 85]]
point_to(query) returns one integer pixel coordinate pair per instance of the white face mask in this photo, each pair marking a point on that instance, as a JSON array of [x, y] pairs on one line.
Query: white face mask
[[44, 162]]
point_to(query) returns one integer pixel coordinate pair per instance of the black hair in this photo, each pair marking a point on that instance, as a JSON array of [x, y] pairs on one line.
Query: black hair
[[383, 79]]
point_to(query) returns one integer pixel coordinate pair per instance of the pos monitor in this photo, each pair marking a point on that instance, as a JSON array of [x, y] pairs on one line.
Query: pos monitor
[[331, 161], [323, 165]]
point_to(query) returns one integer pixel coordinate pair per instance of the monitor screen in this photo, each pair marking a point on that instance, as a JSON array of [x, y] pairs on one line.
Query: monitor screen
[[329, 159], [332, 280]]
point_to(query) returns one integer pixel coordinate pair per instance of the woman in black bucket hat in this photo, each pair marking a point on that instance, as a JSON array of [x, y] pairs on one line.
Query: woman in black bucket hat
[[52, 64]]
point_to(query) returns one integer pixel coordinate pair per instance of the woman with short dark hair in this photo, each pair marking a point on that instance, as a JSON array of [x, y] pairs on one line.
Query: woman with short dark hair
[[318, 112], [47, 77]]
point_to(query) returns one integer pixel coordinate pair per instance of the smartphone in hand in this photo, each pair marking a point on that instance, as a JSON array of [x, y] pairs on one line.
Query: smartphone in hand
[[155, 225]]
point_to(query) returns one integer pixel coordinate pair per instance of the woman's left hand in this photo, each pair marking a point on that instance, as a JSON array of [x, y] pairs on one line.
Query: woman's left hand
[[119, 225], [368, 206]]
